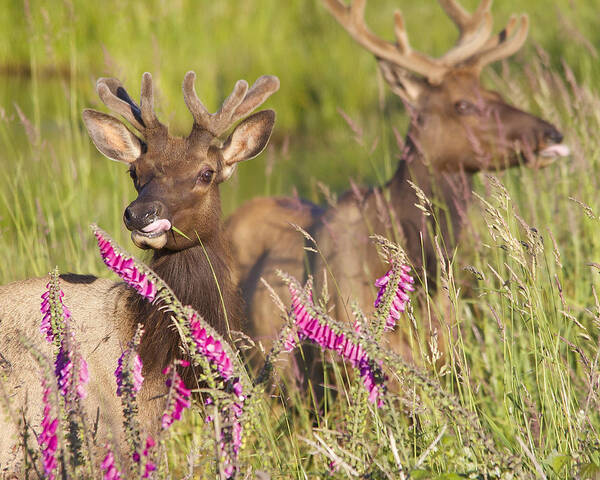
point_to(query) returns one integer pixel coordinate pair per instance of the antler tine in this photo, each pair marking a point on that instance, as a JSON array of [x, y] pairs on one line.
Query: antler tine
[[466, 22], [147, 102], [115, 97], [502, 35], [262, 89], [506, 43], [352, 19], [474, 30], [238, 104], [194, 105], [400, 33], [222, 119]]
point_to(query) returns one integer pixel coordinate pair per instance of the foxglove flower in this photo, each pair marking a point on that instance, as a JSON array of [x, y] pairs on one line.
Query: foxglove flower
[[129, 379], [149, 466], [403, 284], [292, 337], [201, 340], [231, 433], [111, 472], [290, 341], [63, 371], [125, 267], [210, 348], [84, 378], [55, 314], [178, 398], [48, 440], [310, 328], [126, 375]]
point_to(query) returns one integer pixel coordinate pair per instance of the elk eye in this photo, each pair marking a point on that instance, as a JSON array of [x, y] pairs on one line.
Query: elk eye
[[206, 176], [463, 107]]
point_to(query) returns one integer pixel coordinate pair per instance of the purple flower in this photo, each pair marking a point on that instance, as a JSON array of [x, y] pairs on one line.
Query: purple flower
[[129, 375], [178, 398], [125, 268], [84, 378], [399, 301], [63, 371], [51, 326], [148, 469], [310, 328], [231, 433], [290, 342], [56, 329], [210, 348], [48, 440], [149, 466], [111, 472]]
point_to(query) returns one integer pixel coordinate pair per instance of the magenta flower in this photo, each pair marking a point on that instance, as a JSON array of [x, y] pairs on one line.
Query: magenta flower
[[290, 342], [148, 469], [52, 328], [399, 301], [48, 440], [149, 466], [178, 398], [84, 378], [310, 328], [63, 371], [125, 268], [111, 472], [231, 433], [210, 348], [129, 375]]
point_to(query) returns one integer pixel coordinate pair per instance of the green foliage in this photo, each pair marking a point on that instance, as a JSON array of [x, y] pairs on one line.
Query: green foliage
[[523, 357]]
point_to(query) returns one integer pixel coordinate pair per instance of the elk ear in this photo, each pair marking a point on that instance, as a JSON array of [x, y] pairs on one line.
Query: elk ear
[[247, 140], [111, 137], [403, 83]]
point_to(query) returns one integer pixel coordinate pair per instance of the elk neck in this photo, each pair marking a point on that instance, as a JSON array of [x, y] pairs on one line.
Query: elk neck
[[192, 274], [448, 190]]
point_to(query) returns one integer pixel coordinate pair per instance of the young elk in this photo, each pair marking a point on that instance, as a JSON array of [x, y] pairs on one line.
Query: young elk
[[457, 129], [177, 182]]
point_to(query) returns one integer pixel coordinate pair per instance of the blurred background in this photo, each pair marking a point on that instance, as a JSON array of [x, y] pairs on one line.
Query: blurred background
[[51, 53]]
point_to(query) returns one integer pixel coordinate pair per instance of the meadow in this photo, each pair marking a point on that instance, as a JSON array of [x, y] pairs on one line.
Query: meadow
[[515, 395]]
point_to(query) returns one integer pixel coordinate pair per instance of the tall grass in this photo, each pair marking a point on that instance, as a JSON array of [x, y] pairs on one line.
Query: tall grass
[[520, 339]]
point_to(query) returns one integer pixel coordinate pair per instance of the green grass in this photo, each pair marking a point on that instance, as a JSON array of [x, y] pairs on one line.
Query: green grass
[[526, 358]]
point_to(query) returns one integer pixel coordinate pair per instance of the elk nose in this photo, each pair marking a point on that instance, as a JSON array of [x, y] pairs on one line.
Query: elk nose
[[137, 216], [553, 135]]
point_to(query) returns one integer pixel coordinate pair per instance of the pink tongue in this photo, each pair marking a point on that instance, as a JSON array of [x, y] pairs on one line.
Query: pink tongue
[[160, 225], [560, 150]]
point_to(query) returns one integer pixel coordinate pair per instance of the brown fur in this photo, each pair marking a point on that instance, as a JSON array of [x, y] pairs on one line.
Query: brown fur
[[457, 129], [190, 276], [170, 176]]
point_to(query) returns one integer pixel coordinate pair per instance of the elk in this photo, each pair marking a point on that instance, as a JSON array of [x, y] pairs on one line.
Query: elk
[[177, 182], [457, 128]]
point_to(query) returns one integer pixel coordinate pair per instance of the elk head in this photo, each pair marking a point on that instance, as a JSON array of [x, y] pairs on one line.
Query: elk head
[[177, 178], [456, 123]]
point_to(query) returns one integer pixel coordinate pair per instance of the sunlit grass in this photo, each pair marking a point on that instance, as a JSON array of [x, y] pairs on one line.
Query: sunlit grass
[[526, 356]]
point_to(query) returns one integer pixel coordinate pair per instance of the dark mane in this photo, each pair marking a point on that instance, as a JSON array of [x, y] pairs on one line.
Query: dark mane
[[189, 274]]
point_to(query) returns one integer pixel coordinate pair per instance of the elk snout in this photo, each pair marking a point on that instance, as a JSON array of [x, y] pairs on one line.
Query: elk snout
[[147, 223], [139, 215], [550, 146], [552, 135]]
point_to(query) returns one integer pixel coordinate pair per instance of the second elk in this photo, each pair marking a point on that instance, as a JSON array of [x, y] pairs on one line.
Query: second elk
[[457, 129]]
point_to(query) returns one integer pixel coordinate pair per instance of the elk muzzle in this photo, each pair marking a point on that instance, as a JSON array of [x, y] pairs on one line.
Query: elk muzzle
[[147, 223], [549, 146]]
